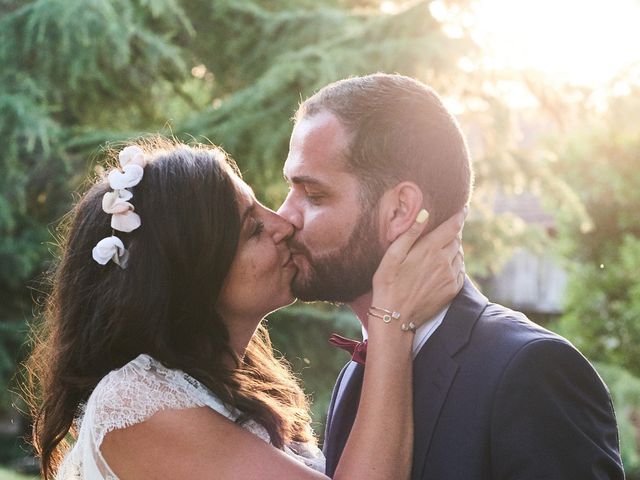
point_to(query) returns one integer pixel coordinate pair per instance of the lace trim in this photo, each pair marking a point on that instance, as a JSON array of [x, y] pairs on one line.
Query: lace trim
[[143, 387], [135, 392]]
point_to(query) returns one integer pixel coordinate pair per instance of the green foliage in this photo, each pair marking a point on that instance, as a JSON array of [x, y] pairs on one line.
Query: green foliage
[[602, 164], [12, 338], [87, 54], [603, 305], [67, 66], [9, 475], [306, 49], [625, 391], [301, 332]]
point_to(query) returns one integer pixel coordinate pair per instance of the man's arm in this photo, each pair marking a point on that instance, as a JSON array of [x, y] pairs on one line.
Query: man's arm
[[553, 418]]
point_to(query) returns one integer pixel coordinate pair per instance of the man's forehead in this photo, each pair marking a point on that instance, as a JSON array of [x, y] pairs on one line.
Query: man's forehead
[[320, 131], [317, 148]]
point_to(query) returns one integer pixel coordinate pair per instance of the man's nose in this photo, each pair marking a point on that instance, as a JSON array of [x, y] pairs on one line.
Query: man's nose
[[289, 212]]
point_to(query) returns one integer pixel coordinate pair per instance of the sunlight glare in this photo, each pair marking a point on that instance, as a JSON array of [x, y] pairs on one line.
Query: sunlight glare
[[584, 42]]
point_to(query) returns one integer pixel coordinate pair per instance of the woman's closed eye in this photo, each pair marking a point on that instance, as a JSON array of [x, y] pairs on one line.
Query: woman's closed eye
[[257, 229]]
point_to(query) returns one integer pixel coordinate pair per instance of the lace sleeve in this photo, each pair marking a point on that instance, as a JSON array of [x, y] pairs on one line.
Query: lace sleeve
[[143, 387], [134, 393], [125, 397]]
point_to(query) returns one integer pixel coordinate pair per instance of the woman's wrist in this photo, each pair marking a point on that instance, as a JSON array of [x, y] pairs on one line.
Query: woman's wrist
[[391, 316], [386, 327]]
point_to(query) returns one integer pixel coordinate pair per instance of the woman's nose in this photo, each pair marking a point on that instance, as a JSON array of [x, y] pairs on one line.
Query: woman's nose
[[282, 229]]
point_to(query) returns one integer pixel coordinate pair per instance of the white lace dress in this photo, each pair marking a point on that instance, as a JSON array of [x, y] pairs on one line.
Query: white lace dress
[[131, 395]]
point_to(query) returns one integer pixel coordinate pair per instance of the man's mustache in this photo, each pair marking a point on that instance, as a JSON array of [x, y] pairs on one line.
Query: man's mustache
[[298, 248]]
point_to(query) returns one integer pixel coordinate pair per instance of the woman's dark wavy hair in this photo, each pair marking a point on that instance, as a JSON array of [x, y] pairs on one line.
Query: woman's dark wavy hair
[[97, 318]]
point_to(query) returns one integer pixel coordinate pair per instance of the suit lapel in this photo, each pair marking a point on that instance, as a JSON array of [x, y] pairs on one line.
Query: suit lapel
[[345, 405], [332, 403], [434, 368], [434, 371]]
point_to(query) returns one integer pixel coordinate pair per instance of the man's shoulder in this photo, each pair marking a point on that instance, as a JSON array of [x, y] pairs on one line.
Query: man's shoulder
[[476, 327], [502, 328], [504, 340]]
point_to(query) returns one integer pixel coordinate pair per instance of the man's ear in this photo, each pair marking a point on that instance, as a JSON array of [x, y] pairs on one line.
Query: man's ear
[[399, 207]]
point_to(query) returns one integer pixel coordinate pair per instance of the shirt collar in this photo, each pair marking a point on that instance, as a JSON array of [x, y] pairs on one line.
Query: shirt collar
[[424, 331]]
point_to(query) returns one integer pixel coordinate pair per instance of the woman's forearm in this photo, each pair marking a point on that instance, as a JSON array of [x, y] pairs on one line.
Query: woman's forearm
[[380, 445]]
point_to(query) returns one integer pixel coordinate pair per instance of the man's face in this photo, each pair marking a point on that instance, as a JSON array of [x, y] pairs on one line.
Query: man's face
[[336, 244]]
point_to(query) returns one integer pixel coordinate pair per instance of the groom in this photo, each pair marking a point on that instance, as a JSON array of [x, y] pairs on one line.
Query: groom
[[495, 396]]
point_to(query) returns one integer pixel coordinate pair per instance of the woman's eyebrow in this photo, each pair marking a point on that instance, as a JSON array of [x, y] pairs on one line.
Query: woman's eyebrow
[[246, 213]]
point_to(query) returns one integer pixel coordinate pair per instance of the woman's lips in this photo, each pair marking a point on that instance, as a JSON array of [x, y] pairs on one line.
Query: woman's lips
[[288, 262]]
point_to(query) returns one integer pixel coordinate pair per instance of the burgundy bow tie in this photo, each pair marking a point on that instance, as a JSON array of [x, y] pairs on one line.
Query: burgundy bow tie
[[358, 350]]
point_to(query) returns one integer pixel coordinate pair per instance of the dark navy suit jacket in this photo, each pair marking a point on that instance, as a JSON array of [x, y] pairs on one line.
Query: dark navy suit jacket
[[496, 397]]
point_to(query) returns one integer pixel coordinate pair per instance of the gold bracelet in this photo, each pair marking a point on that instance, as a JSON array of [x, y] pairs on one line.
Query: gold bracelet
[[411, 327], [386, 316]]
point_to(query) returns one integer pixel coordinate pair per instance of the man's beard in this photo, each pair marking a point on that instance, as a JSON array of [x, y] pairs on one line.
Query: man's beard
[[345, 274]]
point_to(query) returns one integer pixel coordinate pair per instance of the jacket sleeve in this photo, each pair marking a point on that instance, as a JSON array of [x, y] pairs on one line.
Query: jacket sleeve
[[553, 418]]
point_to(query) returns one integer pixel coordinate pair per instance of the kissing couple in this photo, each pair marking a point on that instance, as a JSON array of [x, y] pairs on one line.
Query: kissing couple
[[152, 361]]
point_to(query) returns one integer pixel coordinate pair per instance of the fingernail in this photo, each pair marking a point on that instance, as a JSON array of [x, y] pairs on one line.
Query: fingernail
[[422, 216], [466, 211]]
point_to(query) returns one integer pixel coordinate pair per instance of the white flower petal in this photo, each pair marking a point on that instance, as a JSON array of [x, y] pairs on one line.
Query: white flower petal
[[133, 155], [112, 203], [125, 222], [124, 194], [129, 177], [106, 249]]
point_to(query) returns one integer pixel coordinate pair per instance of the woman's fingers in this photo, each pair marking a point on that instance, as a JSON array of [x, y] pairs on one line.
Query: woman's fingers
[[446, 236], [419, 274], [399, 249], [458, 266], [447, 230], [452, 249]]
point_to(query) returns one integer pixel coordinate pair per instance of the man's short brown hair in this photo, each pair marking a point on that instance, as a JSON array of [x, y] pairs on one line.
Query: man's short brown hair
[[399, 130]]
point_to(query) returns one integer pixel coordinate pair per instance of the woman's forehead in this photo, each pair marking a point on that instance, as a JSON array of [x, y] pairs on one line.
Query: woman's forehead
[[245, 193]]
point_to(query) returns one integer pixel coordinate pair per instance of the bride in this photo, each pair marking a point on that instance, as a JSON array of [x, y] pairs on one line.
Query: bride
[[152, 361]]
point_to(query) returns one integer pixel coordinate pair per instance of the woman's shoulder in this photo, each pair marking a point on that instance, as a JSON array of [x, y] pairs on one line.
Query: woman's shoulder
[[144, 387], [141, 388]]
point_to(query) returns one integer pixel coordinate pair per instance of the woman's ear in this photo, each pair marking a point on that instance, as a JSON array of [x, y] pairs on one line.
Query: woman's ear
[[399, 207]]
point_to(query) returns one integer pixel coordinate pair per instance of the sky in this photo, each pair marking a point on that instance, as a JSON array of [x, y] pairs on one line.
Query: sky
[[581, 41], [584, 42]]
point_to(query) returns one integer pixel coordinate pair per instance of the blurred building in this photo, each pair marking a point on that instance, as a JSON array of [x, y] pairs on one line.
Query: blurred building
[[533, 283]]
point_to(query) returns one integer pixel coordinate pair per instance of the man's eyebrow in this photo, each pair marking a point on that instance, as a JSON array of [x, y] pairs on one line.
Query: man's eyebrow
[[297, 179]]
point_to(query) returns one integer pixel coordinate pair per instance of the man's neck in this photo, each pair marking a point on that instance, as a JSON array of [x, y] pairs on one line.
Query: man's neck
[[360, 306]]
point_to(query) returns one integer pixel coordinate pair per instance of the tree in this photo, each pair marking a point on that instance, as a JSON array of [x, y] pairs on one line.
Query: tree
[[600, 161], [78, 74]]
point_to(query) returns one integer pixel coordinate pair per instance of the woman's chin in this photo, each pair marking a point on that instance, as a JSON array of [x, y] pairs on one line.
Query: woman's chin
[[290, 300], [284, 302]]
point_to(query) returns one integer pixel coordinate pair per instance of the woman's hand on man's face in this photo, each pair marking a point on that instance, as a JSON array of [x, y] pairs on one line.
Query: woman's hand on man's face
[[419, 275]]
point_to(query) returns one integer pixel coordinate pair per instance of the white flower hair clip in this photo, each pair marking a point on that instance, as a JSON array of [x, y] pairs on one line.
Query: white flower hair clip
[[116, 203]]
